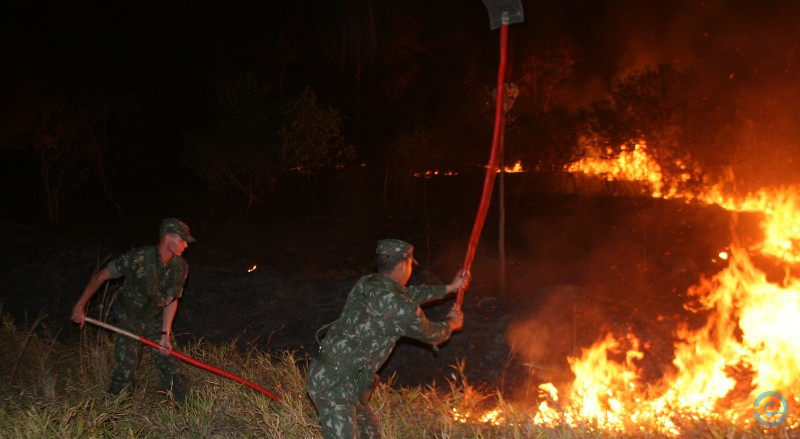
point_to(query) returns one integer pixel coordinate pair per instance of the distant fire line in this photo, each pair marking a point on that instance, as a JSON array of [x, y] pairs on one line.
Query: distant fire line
[[515, 169]]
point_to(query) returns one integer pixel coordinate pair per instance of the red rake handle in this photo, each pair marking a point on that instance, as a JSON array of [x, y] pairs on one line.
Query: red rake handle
[[183, 357], [494, 159]]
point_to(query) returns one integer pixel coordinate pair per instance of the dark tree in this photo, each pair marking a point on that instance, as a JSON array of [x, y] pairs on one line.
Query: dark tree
[[62, 158], [240, 149], [80, 133], [311, 137], [409, 155], [256, 139]]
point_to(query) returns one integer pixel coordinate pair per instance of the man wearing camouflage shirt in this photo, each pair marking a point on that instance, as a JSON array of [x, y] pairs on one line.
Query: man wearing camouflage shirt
[[146, 305], [379, 310]]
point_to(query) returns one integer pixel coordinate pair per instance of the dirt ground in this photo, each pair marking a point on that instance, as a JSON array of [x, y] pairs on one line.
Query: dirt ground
[[577, 268]]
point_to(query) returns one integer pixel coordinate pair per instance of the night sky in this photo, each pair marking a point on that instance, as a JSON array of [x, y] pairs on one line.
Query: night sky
[[386, 66], [167, 51]]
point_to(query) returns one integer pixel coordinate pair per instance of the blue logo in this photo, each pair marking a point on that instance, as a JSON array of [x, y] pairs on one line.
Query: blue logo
[[769, 407]]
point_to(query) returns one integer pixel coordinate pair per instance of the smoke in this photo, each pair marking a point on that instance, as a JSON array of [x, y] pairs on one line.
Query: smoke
[[743, 58], [743, 39], [746, 56], [607, 265], [544, 339]]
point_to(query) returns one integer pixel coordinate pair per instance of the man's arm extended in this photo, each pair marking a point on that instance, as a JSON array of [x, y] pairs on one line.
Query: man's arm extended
[[79, 310]]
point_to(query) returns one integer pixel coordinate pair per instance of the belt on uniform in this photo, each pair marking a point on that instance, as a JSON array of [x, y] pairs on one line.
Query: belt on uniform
[[332, 363]]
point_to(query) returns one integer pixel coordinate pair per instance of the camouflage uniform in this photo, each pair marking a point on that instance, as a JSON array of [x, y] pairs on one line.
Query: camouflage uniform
[[378, 311], [148, 288]]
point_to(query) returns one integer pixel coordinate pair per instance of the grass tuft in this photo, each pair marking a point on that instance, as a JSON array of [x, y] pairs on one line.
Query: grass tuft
[[55, 390]]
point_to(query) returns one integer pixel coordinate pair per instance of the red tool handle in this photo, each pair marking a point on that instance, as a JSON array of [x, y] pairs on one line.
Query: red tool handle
[[183, 357], [491, 169]]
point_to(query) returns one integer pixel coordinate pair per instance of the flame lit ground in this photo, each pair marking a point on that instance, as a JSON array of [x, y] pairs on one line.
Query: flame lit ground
[[579, 266]]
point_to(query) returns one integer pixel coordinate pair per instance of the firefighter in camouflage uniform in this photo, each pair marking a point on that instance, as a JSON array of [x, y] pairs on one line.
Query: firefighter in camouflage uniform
[[146, 305], [379, 309]]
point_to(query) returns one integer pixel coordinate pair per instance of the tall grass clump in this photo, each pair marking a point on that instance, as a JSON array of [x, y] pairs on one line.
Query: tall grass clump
[[53, 389]]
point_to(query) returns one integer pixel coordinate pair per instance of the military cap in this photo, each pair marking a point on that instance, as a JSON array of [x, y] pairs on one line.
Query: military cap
[[395, 248], [172, 225]]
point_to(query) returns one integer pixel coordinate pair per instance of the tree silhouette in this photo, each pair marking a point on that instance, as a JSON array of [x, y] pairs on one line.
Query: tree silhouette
[[255, 140], [62, 159], [240, 149], [311, 138], [81, 132]]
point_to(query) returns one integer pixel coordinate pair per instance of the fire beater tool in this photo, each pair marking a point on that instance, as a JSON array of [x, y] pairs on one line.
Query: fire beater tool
[[501, 14], [183, 357]]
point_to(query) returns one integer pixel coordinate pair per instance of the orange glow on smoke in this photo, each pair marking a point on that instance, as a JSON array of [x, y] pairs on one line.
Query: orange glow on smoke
[[749, 343]]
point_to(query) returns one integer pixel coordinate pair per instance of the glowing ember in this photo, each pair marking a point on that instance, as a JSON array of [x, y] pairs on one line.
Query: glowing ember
[[252, 269], [748, 345], [432, 173], [493, 417], [517, 168]]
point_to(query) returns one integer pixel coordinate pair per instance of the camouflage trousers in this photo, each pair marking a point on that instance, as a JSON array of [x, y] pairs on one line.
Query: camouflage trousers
[[341, 415], [128, 354]]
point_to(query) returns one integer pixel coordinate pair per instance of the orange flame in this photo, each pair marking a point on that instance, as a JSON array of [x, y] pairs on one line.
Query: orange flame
[[516, 169], [748, 345], [431, 173], [628, 165]]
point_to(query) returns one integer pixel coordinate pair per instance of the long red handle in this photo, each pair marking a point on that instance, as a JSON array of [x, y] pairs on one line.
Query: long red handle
[[183, 357], [491, 169]]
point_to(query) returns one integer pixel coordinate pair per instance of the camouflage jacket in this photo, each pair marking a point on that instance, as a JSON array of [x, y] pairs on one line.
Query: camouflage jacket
[[376, 314], [149, 286]]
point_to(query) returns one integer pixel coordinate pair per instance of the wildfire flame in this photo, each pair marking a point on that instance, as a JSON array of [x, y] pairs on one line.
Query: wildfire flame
[[252, 269], [630, 165], [748, 344], [516, 169], [431, 173]]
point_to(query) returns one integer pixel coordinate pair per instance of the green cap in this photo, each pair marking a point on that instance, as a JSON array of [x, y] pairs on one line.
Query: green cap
[[396, 248], [172, 225]]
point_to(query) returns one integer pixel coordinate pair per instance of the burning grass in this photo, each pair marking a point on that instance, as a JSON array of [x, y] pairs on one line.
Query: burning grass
[[53, 389], [746, 347]]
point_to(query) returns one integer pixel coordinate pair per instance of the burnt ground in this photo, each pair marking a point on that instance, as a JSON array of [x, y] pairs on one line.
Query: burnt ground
[[577, 268]]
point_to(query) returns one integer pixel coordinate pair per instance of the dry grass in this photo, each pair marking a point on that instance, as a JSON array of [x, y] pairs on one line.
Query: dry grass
[[53, 390]]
